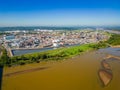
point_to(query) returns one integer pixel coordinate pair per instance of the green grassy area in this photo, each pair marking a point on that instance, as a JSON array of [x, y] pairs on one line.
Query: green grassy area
[[4, 59], [114, 39], [57, 54]]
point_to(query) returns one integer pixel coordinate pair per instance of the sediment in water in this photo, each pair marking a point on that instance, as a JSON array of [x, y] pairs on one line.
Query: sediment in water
[[105, 76], [105, 65]]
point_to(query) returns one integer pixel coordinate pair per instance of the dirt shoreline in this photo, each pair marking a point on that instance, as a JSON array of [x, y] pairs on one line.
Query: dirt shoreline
[[24, 71], [116, 46], [105, 65]]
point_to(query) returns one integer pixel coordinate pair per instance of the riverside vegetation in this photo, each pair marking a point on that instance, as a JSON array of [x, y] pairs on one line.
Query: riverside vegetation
[[57, 54]]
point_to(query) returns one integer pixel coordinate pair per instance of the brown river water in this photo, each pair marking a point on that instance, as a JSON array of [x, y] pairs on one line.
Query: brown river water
[[78, 73]]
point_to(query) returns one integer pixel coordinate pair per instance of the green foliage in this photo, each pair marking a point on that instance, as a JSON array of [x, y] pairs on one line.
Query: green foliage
[[2, 33], [4, 59], [114, 39], [22, 62], [99, 45], [58, 54]]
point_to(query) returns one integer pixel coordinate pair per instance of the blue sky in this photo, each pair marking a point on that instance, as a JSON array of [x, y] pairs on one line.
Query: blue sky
[[59, 12]]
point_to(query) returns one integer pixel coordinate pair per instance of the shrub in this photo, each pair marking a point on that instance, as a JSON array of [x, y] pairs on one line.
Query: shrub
[[22, 62]]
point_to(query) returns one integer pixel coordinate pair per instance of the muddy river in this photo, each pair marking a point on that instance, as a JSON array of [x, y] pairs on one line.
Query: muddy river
[[78, 73]]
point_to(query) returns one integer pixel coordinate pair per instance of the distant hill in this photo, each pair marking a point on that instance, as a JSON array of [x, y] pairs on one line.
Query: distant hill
[[58, 28]]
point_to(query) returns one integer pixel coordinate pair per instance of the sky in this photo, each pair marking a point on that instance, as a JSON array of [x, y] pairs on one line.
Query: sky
[[59, 12]]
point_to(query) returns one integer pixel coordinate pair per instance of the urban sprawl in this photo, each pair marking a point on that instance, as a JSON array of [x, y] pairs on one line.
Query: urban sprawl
[[50, 38]]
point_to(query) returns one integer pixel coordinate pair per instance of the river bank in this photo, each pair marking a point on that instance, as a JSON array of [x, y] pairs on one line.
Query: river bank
[[21, 51], [57, 54], [116, 46], [71, 74]]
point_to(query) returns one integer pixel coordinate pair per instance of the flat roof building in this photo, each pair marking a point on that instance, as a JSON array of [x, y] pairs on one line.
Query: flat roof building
[[9, 37]]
